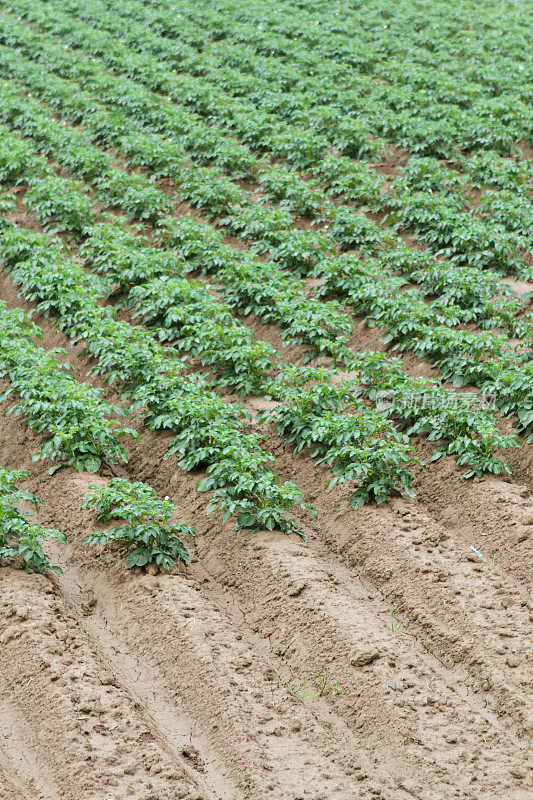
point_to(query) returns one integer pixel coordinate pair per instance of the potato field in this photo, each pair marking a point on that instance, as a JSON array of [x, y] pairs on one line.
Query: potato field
[[266, 386]]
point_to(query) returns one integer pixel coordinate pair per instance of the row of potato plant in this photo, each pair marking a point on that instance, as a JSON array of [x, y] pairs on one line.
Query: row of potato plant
[[160, 306], [321, 83], [209, 192], [295, 251], [21, 536], [360, 446], [330, 326], [139, 27], [467, 431], [75, 420], [418, 104], [145, 531], [521, 388], [108, 49], [447, 314], [46, 286], [140, 38], [436, 342], [500, 247], [185, 312]]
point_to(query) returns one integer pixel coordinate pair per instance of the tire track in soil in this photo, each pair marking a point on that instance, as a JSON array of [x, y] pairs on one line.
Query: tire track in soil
[[86, 732], [460, 608], [170, 725], [439, 700], [22, 774], [493, 515]]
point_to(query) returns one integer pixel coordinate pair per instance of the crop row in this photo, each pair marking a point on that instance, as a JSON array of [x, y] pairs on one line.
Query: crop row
[[511, 207], [313, 409], [340, 129], [20, 536], [470, 433], [419, 106], [465, 357], [74, 418], [145, 530], [203, 250], [316, 88], [153, 73], [421, 309], [327, 30], [180, 310], [143, 39], [480, 297], [299, 95], [459, 234]]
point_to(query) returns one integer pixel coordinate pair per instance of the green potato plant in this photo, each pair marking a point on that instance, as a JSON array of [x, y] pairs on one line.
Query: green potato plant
[[147, 532], [21, 538]]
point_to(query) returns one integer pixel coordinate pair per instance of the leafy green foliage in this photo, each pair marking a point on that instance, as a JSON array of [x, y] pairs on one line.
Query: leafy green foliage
[[299, 251], [208, 190], [186, 312], [59, 204], [290, 190], [17, 162], [427, 175], [151, 374], [352, 180], [458, 422], [73, 417], [134, 195], [443, 221], [352, 229], [511, 209], [7, 205], [360, 446], [123, 255], [267, 224], [490, 168], [147, 529], [20, 537], [209, 434], [264, 289], [62, 289]]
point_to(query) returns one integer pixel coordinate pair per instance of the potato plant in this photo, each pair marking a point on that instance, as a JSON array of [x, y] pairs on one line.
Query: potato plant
[[60, 205], [74, 418], [146, 530], [21, 538], [359, 445]]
